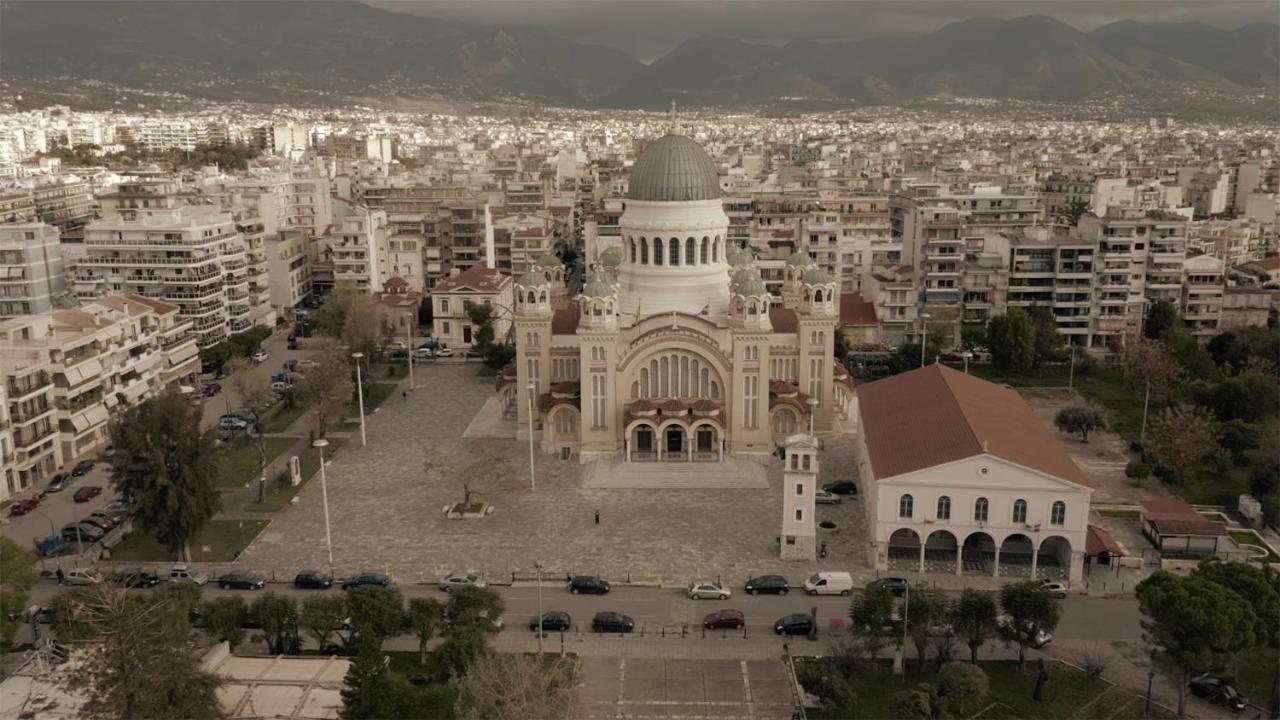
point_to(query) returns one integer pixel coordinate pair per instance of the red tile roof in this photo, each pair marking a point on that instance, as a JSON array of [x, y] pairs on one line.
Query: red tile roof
[[855, 310], [1099, 540], [1175, 517], [783, 320], [477, 278], [936, 415], [565, 322]]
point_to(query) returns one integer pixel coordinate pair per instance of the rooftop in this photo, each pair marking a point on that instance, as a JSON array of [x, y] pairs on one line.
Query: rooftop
[[674, 168]]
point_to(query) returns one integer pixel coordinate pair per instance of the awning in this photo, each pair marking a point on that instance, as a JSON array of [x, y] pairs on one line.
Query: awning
[[111, 400], [97, 415], [1098, 541], [74, 376], [80, 421], [135, 391]]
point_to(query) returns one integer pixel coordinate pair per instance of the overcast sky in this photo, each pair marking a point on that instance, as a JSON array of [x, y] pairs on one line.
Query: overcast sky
[[648, 28]]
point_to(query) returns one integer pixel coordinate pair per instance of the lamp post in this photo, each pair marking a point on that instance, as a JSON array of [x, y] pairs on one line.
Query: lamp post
[[52, 531], [967, 355], [924, 335], [409, 355], [538, 565], [324, 496], [360, 395], [533, 485], [906, 619], [1146, 711], [1071, 374]]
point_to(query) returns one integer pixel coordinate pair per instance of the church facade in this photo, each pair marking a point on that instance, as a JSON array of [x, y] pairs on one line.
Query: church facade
[[674, 351]]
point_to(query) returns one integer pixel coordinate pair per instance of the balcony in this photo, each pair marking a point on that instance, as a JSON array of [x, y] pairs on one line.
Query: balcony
[[25, 444]]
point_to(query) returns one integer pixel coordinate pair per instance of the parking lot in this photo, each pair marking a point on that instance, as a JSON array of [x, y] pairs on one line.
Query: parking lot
[[660, 688]]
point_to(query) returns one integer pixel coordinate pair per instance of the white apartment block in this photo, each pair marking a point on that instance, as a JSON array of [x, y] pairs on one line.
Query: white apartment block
[[358, 248], [1203, 292], [31, 272], [32, 431], [192, 257], [289, 268]]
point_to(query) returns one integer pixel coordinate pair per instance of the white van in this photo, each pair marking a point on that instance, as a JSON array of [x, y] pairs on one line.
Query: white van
[[829, 583]]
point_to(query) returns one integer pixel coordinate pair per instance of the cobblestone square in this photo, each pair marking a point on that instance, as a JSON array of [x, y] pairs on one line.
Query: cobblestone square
[[386, 503]]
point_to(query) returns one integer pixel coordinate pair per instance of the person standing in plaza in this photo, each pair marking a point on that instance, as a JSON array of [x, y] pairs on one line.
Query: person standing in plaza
[[61, 575], [597, 517]]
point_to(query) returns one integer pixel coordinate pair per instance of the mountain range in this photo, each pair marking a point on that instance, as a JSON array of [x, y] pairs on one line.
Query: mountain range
[[305, 50]]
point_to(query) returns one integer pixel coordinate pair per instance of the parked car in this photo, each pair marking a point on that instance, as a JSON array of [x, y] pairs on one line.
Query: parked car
[[829, 583], [1056, 589], [444, 352], [768, 584], [22, 507], [708, 589], [1218, 692], [59, 483], [136, 579], [424, 353], [212, 389], [720, 619], [82, 532], [612, 622], [101, 523], [229, 422], [822, 497], [241, 580], [461, 580], [290, 365], [588, 585], [841, 487], [307, 364], [794, 624], [554, 621], [474, 352], [356, 581], [82, 576], [399, 355], [82, 468], [895, 585], [248, 416], [87, 493], [280, 386], [183, 573], [260, 356], [1041, 639], [312, 580]]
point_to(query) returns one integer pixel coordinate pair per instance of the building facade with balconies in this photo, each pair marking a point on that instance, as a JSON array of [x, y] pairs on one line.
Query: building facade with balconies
[[31, 272]]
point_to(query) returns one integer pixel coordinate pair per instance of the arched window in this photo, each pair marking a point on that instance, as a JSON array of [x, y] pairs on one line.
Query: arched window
[[657, 251], [632, 243], [1019, 511], [817, 296], [689, 251], [673, 248], [1058, 513], [944, 508], [980, 509], [715, 250], [906, 506], [532, 298], [644, 251]]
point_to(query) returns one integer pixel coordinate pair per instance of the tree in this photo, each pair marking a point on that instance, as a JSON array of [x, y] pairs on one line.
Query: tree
[[139, 660], [368, 687], [321, 617], [375, 609], [1137, 471], [1050, 345], [1075, 210], [869, 616], [223, 618], [1178, 437], [1162, 316], [974, 618], [1094, 659], [1249, 396], [426, 616], [1254, 586], [328, 385], [360, 324], [1197, 623], [277, 615], [331, 317], [1079, 421], [166, 465], [917, 703], [1031, 610], [1238, 438], [474, 607], [462, 645], [927, 610], [1147, 364], [1011, 339], [973, 335], [1187, 351], [962, 687], [905, 357], [255, 394], [518, 686], [17, 577]]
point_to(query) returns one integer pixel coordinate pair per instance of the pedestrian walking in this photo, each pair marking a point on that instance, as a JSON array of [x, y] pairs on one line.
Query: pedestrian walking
[[597, 517], [404, 394], [61, 575]]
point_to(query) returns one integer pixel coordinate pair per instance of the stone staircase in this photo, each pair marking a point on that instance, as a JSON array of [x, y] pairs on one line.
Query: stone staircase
[[733, 473]]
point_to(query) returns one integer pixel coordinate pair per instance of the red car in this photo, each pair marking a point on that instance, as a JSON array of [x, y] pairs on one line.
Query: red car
[[732, 619], [85, 494], [22, 507]]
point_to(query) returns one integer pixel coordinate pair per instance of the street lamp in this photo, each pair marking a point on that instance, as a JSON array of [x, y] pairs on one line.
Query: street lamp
[[409, 355], [924, 335], [360, 394], [967, 355], [538, 566], [324, 495], [532, 482]]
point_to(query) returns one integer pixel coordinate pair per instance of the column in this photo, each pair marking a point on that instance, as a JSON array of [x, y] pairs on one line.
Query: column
[[995, 571], [960, 558], [921, 569], [1035, 555]]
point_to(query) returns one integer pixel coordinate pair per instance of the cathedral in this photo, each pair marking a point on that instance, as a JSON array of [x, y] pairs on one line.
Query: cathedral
[[674, 351]]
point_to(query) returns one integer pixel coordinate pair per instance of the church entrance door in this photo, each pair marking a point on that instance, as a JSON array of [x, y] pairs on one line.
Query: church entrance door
[[675, 449]]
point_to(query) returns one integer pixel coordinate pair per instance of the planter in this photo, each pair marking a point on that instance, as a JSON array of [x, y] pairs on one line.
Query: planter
[[828, 527], [474, 511]]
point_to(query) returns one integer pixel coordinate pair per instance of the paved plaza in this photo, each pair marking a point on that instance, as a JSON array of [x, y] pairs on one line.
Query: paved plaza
[[386, 503], [658, 688]]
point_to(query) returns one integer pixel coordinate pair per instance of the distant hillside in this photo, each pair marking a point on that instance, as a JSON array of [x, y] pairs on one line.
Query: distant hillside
[[287, 51]]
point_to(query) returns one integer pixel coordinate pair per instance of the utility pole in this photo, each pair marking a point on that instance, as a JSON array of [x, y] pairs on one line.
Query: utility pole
[[409, 356], [1071, 374]]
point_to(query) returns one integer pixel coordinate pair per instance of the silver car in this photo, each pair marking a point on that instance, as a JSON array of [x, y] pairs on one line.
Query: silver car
[[708, 589], [462, 580]]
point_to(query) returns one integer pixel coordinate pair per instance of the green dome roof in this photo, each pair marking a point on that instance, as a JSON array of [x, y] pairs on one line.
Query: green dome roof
[[674, 168], [799, 258], [815, 276], [548, 261], [739, 277], [597, 286], [751, 285], [737, 256], [611, 257], [533, 278]]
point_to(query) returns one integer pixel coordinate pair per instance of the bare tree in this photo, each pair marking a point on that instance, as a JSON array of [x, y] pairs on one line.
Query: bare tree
[[360, 328], [1148, 364], [328, 385], [1094, 660], [1179, 436], [254, 391], [518, 687]]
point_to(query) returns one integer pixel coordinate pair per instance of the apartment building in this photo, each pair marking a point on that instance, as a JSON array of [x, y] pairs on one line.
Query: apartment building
[[32, 429], [288, 268], [1203, 293], [31, 272], [190, 256], [1246, 307], [1059, 191], [65, 203], [17, 206], [358, 248], [1134, 192]]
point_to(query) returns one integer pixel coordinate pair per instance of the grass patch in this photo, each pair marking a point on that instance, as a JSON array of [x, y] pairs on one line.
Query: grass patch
[[238, 459], [1100, 385], [278, 497], [1128, 514], [280, 420], [1257, 673], [396, 370], [1214, 517], [1249, 537], [224, 538], [377, 393]]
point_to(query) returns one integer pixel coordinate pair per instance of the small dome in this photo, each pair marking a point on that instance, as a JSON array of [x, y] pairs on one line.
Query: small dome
[[597, 287], [739, 277], [548, 261], [533, 278], [674, 168], [736, 256], [751, 286], [799, 258], [611, 258], [815, 276]]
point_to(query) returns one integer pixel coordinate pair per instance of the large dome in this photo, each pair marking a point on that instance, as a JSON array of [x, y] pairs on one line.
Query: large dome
[[674, 168]]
